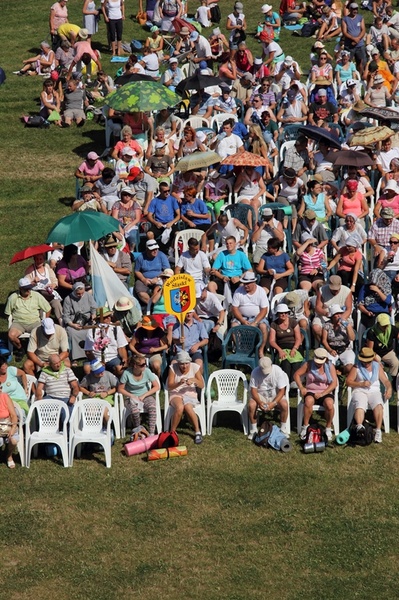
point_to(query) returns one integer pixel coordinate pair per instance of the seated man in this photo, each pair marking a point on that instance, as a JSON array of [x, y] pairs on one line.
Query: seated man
[[209, 309], [322, 110], [25, 308], [106, 188], [293, 110], [194, 262], [57, 382], [148, 267], [193, 339], [299, 158], [144, 185], [331, 293], [107, 343], [99, 383], [46, 339], [268, 386], [89, 201], [365, 379], [164, 215], [337, 337], [310, 226], [229, 266], [160, 165], [118, 260], [74, 103], [250, 306], [194, 212], [381, 338]]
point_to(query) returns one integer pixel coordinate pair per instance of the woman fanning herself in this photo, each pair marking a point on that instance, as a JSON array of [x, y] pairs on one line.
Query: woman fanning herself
[[183, 382], [350, 261]]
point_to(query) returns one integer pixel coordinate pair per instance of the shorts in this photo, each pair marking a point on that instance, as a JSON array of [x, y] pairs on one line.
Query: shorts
[[186, 399], [266, 281], [347, 357], [311, 278], [139, 286], [197, 356], [250, 320], [363, 399], [75, 114], [321, 400], [114, 362], [286, 202], [154, 358], [24, 328]]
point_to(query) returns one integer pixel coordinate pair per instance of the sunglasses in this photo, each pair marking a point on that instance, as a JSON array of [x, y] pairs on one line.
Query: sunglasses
[[142, 365], [394, 241]]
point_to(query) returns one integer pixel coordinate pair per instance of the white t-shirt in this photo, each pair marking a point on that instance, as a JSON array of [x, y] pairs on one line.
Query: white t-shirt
[[384, 158], [202, 16], [239, 20], [115, 342], [194, 266], [229, 145], [268, 385], [272, 47], [210, 307], [151, 64], [249, 305], [203, 47], [290, 192]]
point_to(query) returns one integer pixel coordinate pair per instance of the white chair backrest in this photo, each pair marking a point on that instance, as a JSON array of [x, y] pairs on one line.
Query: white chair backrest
[[48, 413], [196, 122], [184, 236], [219, 119], [90, 414], [227, 381]]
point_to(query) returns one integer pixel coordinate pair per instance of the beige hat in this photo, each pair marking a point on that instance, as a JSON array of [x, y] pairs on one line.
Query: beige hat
[[83, 34], [265, 365], [320, 356], [335, 282]]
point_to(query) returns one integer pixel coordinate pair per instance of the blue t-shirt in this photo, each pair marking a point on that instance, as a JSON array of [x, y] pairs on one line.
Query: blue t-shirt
[[151, 267], [278, 263], [199, 207], [232, 265], [354, 28], [164, 210]]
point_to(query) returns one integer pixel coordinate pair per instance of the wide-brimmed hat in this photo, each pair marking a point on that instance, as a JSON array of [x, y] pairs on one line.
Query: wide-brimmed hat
[[292, 299], [266, 8], [167, 273], [335, 283], [282, 308], [335, 309], [123, 304], [309, 214], [248, 277], [322, 81], [148, 323], [83, 34], [110, 242], [184, 31], [366, 355], [106, 312], [320, 356]]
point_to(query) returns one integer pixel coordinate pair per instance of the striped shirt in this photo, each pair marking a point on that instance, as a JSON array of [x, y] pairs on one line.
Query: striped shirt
[[58, 385], [381, 233], [309, 262]]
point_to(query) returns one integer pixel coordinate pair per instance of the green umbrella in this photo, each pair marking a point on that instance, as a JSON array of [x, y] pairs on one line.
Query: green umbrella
[[144, 96], [81, 227]]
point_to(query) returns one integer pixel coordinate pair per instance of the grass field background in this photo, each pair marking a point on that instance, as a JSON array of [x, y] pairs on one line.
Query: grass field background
[[229, 521]]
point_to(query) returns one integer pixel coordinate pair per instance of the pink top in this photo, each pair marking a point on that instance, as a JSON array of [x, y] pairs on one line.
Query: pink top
[[133, 144], [316, 385], [309, 262], [86, 169], [81, 48], [348, 260], [394, 203], [352, 205], [4, 410], [60, 14], [72, 275]]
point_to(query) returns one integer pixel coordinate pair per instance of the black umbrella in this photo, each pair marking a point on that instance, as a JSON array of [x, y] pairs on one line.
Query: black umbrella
[[197, 82], [319, 134], [122, 79], [350, 158], [381, 114]]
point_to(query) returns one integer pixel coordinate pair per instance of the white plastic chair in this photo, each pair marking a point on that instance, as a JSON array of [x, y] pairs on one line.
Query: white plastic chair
[[320, 409], [87, 426], [20, 445], [124, 412], [350, 411], [220, 118], [199, 411], [227, 383], [196, 122], [116, 421], [48, 413], [184, 236]]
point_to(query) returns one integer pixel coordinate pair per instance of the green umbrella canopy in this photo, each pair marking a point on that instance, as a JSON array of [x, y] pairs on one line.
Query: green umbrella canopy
[[141, 96], [82, 227]]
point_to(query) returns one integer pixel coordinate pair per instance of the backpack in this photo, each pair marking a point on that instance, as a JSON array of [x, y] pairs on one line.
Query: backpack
[[36, 121], [309, 28], [363, 437], [263, 434], [315, 440], [216, 15], [214, 347], [168, 439]]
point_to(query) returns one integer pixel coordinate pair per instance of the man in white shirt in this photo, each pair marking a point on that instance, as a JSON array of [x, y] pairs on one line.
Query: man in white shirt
[[210, 309], [150, 63], [250, 306], [202, 47], [384, 157], [267, 385], [228, 143], [287, 72], [193, 261], [173, 75]]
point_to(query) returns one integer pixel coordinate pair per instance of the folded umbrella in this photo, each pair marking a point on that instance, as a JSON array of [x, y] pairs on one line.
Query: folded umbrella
[[82, 227], [350, 158], [245, 159], [29, 252], [197, 160], [370, 136], [320, 134]]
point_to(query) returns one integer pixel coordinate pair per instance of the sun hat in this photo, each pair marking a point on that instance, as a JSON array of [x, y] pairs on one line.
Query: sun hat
[[248, 277], [48, 326], [148, 323], [366, 355], [266, 8], [335, 283], [128, 151], [105, 310], [167, 273], [265, 365], [133, 173], [194, 35], [319, 45], [110, 242], [292, 299], [123, 304], [183, 357], [320, 356], [151, 245], [378, 79], [309, 214], [257, 61], [288, 61], [387, 213], [335, 309], [392, 185], [25, 282], [92, 156], [184, 31], [96, 367], [83, 34], [86, 188], [282, 308], [128, 190], [383, 319]]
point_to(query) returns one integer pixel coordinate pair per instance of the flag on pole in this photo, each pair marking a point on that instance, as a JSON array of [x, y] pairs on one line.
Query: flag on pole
[[107, 287]]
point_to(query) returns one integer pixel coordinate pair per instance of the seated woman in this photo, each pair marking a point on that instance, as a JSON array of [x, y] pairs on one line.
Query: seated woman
[[377, 95], [64, 55], [266, 228], [166, 120], [49, 100], [184, 381], [127, 141], [138, 386], [311, 260], [243, 59], [285, 339], [249, 187], [155, 42], [382, 338], [352, 202], [70, 269], [275, 267], [159, 165], [128, 212], [346, 69], [267, 150], [389, 261], [350, 227], [79, 311], [320, 384], [189, 143], [160, 138], [187, 179], [374, 297], [289, 189], [316, 200], [194, 212], [89, 171], [42, 63], [322, 70], [330, 27], [15, 383], [149, 341], [8, 427], [126, 163], [350, 263], [393, 173], [228, 69], [389, 198], [46, 283]]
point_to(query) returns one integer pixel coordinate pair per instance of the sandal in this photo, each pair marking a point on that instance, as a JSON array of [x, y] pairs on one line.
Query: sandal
[[10, 463]]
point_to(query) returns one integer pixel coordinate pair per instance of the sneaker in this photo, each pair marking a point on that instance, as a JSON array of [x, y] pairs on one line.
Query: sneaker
[[198, 438], [329, 434], [303, 432], [378, 436], [360, 428], [252, 434], [284, 429]]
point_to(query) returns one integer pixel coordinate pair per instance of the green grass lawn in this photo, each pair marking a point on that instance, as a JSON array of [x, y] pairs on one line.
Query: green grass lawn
[[229, 521]]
